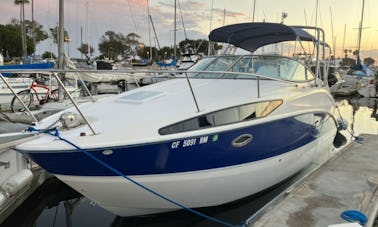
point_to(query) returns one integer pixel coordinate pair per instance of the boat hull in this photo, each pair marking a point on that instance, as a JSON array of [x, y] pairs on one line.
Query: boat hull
[[191, 189], [201, 175]]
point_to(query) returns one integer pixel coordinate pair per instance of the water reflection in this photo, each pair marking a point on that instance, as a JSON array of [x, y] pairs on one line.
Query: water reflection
[[55, 204]]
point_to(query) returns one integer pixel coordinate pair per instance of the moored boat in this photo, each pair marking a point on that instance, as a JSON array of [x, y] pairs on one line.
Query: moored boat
[[233, 127]]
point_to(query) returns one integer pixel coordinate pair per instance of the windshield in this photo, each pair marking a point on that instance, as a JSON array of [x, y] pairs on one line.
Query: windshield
[[250, 66]]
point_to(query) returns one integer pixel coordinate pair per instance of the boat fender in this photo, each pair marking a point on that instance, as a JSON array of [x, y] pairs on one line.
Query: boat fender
[[354, 216], [148, 80], [339, 140], [3, 198], [346, 225], [18, 181]]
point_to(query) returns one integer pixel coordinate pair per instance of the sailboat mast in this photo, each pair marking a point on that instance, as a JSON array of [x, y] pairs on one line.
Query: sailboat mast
[[344, 38], [33, 28], [360, 32], [174, 32], [253, 12], [61, 34], [211, 21], [333, 37], [149, 30], [61, 46]]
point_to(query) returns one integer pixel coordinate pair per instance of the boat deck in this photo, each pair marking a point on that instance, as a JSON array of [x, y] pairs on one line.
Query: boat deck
[[348, 181]]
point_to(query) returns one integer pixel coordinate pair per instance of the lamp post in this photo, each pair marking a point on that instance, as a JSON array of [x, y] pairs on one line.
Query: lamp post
[[67, 40]]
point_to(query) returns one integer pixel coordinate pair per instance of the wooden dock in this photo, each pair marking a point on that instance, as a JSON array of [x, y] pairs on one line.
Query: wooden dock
[[348, 181]]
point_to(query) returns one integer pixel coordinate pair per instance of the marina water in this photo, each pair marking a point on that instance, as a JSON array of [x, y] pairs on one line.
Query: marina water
[[55, 204]]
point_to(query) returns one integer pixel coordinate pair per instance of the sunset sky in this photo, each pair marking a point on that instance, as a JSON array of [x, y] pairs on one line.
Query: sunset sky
[[95, 17]]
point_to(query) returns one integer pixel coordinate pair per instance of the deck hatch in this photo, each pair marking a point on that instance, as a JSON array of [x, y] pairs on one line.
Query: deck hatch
[[141, 96]]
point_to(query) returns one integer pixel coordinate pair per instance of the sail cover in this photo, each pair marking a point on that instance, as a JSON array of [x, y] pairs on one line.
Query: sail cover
[[251, 36]]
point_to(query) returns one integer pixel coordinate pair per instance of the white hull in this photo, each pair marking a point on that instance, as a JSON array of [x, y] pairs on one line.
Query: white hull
[[193, 189], [367, 90], [364, 85]]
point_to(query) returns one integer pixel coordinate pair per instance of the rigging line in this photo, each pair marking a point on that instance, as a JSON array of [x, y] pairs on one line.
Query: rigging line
[[132, 15], [182, 20], [333, 37], [153, 28], [308, 44]]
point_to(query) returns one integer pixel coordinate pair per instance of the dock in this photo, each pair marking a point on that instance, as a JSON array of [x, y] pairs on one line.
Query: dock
[[348, 181], [19, 178]]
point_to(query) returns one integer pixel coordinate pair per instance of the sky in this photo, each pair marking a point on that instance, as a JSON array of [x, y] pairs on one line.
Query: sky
[[339, 18]]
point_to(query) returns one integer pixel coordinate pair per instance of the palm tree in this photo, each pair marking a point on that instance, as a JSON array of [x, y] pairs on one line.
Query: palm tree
[[22, 23]]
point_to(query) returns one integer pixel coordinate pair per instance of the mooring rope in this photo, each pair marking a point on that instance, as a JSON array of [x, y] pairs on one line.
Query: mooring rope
[[55, 132], [342, 125]]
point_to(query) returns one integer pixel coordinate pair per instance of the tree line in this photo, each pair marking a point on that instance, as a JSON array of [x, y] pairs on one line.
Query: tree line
[[352, 61], [113, 45]]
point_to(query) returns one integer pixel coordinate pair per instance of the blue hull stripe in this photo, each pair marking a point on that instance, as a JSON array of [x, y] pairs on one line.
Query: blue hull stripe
[[211, 151]]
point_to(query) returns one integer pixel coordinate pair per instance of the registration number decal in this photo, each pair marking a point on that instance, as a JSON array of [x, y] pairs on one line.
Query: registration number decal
[[189, 142]]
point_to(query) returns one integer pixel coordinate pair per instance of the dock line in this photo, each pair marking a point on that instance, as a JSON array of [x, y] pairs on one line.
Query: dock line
[[343, 125]]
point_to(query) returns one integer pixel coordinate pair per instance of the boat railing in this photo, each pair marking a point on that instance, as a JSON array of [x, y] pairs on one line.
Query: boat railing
[[134, 75]]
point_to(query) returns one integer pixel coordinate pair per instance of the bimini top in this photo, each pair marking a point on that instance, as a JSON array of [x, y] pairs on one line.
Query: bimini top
[[251, 36]]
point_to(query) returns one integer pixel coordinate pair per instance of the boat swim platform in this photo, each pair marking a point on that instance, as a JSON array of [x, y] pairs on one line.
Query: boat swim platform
[[348, 181]]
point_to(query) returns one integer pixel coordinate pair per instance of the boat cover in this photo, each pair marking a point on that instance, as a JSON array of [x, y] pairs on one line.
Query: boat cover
[[98, 77], [251, 36], [34, 66]]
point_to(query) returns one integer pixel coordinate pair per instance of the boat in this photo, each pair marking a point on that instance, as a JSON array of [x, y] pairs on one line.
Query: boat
[[18, 177], [106, 80], [189, 58], [228, 128], [35, 66], [18, 84], [334, 78], [362, 78]]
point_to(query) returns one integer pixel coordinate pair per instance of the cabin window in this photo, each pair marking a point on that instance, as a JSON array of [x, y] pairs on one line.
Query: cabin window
[[223, 117]]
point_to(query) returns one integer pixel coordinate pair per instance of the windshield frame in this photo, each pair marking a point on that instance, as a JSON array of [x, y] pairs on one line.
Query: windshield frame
[[229, 68]]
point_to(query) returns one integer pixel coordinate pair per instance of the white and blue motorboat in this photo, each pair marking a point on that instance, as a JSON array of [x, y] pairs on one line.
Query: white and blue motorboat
[[235, 126]]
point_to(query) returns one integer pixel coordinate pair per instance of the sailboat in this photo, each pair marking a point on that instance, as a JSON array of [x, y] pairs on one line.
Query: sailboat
[[361, 76]]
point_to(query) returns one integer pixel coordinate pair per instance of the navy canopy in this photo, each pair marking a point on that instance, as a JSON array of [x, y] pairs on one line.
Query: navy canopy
[[251, 36]]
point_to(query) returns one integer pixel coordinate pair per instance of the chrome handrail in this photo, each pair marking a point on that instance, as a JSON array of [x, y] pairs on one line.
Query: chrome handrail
[[176, 73], [74, 103], [18, 98]]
